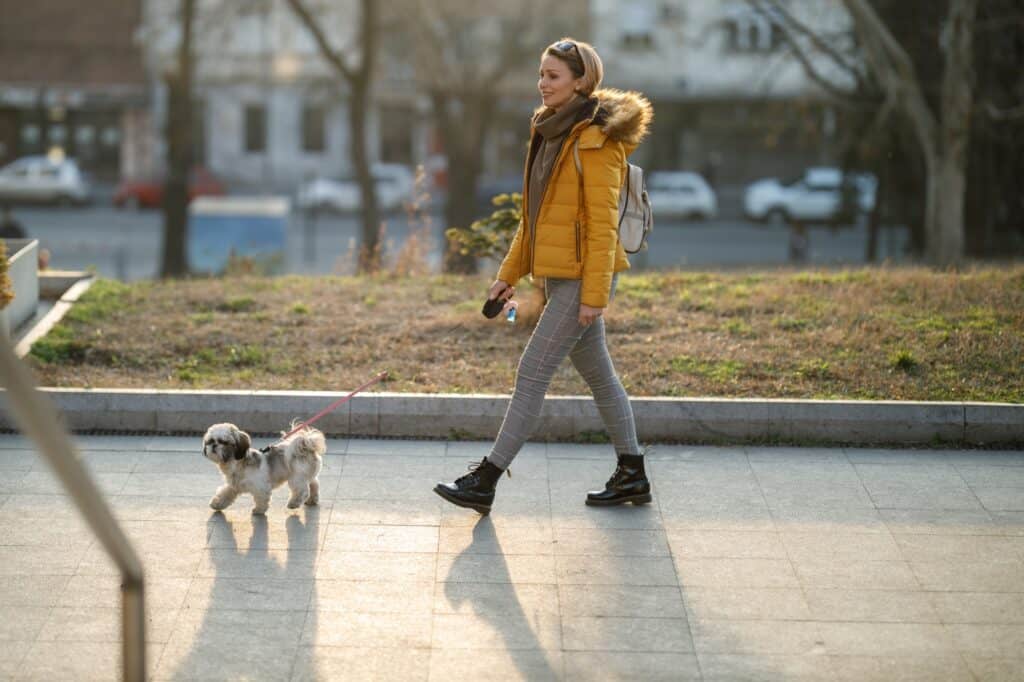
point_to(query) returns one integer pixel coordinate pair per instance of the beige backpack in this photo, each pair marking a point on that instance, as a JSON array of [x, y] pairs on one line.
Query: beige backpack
[[636, 217]]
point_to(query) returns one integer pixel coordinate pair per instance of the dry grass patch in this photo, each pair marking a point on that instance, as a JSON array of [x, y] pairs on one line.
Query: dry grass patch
[[902, 334]]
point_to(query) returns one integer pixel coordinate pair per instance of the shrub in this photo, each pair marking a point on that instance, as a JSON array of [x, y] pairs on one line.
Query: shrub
[[491, 237], [243, 304], [6, 293], [903, 360]]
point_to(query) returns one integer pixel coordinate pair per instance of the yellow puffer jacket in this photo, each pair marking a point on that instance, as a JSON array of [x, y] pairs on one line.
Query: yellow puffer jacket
[[609, 127]]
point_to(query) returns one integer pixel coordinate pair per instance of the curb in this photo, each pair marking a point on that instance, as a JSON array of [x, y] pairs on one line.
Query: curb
[[453, 416], [67, 287]]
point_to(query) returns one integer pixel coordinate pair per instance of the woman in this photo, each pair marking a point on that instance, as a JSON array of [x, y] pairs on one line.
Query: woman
[[569, 236]]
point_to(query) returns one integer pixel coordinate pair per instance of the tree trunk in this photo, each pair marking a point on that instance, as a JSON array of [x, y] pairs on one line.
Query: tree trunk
[[947, 183], [360, 83], [370, 248], [178, 136], [949, 170], [463, 135], [943, 138], [461, 208], [875, 220]]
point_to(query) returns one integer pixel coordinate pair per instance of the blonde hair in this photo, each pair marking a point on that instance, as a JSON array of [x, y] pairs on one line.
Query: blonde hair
[[582, 59]]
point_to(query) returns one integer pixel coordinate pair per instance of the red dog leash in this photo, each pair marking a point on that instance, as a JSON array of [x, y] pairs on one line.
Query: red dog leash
[[330, 408]]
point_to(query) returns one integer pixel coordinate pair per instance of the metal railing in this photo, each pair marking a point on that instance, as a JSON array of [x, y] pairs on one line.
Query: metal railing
[[38, 420]]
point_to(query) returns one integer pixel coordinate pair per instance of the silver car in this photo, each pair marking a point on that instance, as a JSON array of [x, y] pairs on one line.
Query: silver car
[[395, 185], [681, 195], [33, 179], [818, 195]]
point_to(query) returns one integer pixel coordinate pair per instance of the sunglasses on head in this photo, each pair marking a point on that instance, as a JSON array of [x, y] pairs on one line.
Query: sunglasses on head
[[566, 46]]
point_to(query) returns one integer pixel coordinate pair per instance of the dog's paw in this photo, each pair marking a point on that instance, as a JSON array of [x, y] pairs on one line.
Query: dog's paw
[[312, 502], [259, 510], [217, 505], [294, 504]]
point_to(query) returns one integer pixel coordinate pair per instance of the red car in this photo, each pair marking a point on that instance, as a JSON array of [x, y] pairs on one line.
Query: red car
[[150, 193]]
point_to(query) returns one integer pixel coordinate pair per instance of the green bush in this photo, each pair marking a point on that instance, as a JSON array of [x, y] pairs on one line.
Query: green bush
[[903, 360], [490, 237], [6, 293], [243, 304]]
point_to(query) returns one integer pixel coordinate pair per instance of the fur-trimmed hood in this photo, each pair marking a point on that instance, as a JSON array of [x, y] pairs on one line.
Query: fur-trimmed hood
[[624, 116]]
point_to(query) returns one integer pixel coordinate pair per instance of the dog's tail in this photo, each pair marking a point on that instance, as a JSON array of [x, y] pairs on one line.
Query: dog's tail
[[308, 442]]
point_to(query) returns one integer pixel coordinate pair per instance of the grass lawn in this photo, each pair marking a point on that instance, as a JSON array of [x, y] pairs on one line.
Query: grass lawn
[[873, 333]]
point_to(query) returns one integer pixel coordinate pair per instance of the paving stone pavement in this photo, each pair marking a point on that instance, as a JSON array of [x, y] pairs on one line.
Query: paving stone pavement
[[754, 563]]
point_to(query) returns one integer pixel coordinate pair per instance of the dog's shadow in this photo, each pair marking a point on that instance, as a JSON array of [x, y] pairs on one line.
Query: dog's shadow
[[254, 589]]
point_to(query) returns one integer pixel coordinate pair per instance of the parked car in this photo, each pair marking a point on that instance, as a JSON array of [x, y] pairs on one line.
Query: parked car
[[394, 188], [822, 194], [42, 179], [149, 193], [681, 194]]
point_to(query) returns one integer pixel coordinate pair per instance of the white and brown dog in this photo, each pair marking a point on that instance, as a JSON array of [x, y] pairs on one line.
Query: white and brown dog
[[297, 461]]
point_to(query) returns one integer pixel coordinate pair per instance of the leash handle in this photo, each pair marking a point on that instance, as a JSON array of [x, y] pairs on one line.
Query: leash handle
[[333, 406]]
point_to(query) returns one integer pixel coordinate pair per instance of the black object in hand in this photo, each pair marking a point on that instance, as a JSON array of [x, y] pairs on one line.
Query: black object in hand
[[493, 306]]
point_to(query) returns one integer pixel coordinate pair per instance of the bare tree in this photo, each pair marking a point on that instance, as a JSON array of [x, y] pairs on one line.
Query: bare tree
[[178, 137], [358, 79], [942, 133], [942, 136], [463, 55], [192, 21]]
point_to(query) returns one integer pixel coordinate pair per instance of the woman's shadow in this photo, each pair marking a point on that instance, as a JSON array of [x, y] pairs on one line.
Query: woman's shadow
[[499, 604], [258, 607]]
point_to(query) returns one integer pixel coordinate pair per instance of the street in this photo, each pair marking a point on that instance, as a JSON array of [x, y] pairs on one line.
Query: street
[[125, 244]]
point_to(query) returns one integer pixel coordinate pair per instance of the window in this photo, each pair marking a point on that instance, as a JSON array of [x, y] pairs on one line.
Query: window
[[255, 128], [396, 126], [110, 136], [30, 134], [58, 134], [754, 31], [85, 135], [314, 129], [637, 21]]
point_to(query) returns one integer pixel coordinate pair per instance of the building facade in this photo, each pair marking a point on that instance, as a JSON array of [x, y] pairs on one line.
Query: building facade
[[730, 98], [269, 112], [73, 82]]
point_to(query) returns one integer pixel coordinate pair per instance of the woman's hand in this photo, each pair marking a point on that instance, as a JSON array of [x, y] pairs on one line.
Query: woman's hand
[[589, 315], [500, 288]]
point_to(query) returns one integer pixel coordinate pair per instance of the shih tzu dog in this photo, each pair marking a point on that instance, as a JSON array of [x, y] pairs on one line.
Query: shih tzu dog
[[296, 460]]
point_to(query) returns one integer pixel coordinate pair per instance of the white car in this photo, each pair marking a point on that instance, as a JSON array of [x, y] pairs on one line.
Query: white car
[[394, 189], [816, 196], [683, 194], [41, 179]]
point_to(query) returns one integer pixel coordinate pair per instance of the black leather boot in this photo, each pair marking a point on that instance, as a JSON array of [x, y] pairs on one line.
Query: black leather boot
[[474, 490], [628, 484]]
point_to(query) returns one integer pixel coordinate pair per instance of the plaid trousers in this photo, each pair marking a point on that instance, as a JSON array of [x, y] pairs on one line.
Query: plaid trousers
[[559, 333]]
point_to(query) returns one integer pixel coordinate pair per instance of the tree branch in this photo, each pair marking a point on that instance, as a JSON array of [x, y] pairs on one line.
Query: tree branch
[[791, 23], [1011, 114], [368, 38], [329, 53], [812, 72], [431, 62], [895, 72]]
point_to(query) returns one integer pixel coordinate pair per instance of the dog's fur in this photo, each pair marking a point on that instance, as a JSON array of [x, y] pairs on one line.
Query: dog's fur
[[297, 461]]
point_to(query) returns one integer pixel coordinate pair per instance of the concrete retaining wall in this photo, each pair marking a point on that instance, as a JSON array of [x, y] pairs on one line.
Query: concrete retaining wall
[[23, 269], [411, 415]]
